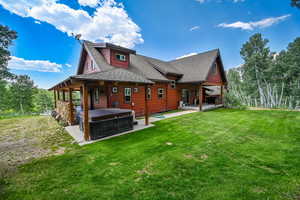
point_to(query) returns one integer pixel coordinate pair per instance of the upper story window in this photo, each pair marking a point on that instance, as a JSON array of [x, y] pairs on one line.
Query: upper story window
[[160, 93], [214, 69], [120, 57], [127, 95], [114, 90], [173, 84], [92, 65]]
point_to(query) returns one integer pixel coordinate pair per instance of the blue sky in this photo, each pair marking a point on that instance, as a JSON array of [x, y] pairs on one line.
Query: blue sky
[[164, 29]]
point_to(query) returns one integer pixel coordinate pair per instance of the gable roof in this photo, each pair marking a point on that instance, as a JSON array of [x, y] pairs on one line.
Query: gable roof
[[116, 74], [195, 68], [189, 69]]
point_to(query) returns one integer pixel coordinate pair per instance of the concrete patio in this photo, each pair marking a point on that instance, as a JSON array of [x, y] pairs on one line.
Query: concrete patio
[[75, 132]]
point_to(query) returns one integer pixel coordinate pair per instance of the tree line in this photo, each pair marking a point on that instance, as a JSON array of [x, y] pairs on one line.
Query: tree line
[[18, 94], [266, 79]]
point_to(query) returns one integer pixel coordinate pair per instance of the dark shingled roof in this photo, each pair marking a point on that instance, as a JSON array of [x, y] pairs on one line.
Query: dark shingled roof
[[195, 68], [116, 74], [190, 69]]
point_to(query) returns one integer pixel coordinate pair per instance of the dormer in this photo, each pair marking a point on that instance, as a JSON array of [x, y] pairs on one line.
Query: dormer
[[114, 55]]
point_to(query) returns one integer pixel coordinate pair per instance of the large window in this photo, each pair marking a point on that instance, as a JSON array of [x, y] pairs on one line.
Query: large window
[[148, 93], [121, 57], [96, 95], [127, 95], [160, 93], [214, 69], [92, 65]]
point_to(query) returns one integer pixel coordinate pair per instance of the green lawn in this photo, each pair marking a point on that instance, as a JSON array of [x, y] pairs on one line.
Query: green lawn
[[221, 154]]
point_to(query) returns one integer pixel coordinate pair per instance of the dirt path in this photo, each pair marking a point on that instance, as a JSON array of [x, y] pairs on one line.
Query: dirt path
[[24, 139]]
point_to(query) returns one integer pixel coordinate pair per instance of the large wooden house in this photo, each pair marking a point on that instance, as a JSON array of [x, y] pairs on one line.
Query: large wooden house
[[111, 76]]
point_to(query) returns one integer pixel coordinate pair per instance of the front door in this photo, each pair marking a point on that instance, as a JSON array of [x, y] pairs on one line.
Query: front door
[[185, 96]]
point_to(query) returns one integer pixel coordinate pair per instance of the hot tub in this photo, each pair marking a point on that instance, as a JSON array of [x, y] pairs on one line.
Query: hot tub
[[107, 122]]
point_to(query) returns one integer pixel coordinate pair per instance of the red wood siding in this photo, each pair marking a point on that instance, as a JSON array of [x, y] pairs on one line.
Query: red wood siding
[[117, 63], [215, 78], [157, 104], [87, 66]]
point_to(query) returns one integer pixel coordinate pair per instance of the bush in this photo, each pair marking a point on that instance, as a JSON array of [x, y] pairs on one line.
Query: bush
[[231, 101]]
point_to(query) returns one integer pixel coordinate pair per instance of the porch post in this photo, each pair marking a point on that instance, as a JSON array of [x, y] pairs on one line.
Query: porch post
[[58, 94], [86, 127], [146, 107], [64, 95], [221, 94], [200, 96], [71, 114], [54, 95]]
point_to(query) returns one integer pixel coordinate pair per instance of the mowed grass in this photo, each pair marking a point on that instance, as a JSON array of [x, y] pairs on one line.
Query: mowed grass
[[221, 154]]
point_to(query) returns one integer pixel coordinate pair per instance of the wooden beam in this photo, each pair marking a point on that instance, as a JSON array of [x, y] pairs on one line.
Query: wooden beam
[[222, 94], [146, 107], [86, 127], [54, 95], [58, 94], [200, 97], [71, 114]]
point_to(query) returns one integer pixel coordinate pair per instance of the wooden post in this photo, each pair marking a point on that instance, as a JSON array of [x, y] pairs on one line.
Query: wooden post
[[146, 107], [54, 94], [58, 94], [71, 114], [221, 94], [86, 127], [200, 97], [64, 95]]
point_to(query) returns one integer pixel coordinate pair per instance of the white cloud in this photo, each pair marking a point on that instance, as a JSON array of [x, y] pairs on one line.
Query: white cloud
[[33, 65], [68, 65], [90, 3], [187, 55], [37, 22], [109, 22], [194, 28], [258, 24]]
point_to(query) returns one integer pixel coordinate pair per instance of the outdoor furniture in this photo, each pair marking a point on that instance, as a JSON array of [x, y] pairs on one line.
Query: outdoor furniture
[[107, 122]]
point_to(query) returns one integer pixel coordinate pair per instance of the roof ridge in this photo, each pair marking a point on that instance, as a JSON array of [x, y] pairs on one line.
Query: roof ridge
[[194, 55]]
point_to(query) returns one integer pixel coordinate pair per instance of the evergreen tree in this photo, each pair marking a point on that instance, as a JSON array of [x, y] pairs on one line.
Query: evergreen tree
[[296, 3], [258, 60], [6, 37], [21, 92]]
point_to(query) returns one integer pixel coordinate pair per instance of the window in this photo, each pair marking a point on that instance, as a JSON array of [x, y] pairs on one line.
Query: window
[[173, 84], [160, 93], [127, 95], [96, 95], [92, 65], [121, 57], [214, 68], [114, 90], [136, 90], [148, 93]]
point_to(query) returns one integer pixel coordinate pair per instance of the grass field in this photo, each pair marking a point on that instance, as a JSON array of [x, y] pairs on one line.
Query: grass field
[[221, 154]]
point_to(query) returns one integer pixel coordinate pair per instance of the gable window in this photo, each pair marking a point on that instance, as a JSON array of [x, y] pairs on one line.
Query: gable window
[[120, 57], [136, 90], [127, 95], [214, 69], [114, 90], [160, 93], [92, 67], [148, 93], [173, 84]]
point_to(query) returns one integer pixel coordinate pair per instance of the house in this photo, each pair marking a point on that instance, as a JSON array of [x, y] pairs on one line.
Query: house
[[111, 76]]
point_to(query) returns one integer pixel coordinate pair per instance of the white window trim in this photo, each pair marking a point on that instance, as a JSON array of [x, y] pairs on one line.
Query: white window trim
[[149, 95], [160, 91], [173, 84], [127, 93], [114, 90], [121, 57]]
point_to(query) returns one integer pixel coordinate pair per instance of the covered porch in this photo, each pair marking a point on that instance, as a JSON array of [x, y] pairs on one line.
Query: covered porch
[[203, 96], [92, 122]]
